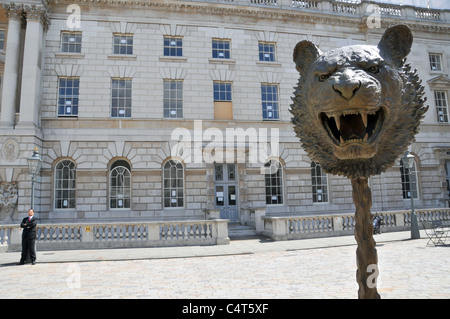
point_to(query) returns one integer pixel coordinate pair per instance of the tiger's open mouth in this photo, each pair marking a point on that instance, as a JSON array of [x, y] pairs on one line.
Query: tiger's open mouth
[[353, 126]]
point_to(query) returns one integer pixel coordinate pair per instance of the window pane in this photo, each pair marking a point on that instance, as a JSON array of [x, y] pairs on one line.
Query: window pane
[[173, 176], [68, 98], [122, 44], [319, 182], [273, 182], [65, 185], [119, 186], [121, 97], [173, 46], [173, 99]]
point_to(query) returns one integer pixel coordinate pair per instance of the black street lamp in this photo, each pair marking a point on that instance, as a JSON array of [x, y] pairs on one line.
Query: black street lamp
[[408, 162], [34, 167]]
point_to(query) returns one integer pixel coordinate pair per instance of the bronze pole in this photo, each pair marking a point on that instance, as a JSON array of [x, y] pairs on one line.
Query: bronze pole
[[366, 254]]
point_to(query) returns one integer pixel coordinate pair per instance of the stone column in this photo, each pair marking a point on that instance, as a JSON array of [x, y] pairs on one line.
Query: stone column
[[30, 98], [11, 72]]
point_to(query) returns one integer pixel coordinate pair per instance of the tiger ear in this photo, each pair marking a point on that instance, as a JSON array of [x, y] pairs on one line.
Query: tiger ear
[[305, 53], [395, 44]]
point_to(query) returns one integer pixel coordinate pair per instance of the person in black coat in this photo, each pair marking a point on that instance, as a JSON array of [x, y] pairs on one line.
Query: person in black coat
[[29, 238]]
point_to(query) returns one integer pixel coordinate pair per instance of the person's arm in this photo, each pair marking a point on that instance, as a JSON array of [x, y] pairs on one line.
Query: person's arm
[[32, 224]]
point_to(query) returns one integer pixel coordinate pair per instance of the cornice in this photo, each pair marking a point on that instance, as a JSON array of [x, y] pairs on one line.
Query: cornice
[[308, 16]]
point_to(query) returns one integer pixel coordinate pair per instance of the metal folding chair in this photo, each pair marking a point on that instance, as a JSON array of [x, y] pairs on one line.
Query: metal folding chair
[[435, 232]]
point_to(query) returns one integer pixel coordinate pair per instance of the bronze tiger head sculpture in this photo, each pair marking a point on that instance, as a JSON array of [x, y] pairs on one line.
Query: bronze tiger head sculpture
[[357, 108]]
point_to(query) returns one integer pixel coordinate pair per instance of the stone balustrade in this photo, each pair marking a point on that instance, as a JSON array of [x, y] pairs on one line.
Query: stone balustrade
[[120, 235], [298, 227], [349, 8]]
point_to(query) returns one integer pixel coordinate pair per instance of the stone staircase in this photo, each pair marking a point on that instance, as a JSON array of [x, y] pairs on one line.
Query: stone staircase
[[236, 230]]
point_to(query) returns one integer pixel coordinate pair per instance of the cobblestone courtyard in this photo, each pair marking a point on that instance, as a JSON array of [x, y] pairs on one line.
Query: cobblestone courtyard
[[408, 269]]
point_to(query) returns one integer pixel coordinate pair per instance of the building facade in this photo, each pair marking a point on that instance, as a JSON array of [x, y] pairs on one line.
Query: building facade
[[163, 110]]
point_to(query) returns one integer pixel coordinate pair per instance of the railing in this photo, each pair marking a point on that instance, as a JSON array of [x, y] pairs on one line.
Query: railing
[[119, 235], [354, 8], [297, 227]]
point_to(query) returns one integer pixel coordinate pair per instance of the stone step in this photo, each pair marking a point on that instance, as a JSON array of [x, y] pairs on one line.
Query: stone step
[[237, 230]]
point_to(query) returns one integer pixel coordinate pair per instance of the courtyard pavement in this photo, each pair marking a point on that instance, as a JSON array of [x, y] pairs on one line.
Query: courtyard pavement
[[254, 268]]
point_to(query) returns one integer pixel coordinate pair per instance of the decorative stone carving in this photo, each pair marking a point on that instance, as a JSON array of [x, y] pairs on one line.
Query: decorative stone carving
[[8, 200], [10, 150], [13, 11], [37, 13]]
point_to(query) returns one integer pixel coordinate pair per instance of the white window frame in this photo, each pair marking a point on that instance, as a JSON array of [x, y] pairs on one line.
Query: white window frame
[[274, 189], [270, 107], [173, 185], [69, 100], [65, 186], [173, 98], [433, 60], [320, 190], [441, 103], [267, 51], [221, 52], [122, 99], [120, 189], [73, 42], [407, 182], [173, 46], [121, 42]]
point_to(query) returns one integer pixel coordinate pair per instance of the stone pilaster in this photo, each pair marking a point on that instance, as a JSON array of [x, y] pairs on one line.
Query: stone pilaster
[[30, 99], [11, 72]]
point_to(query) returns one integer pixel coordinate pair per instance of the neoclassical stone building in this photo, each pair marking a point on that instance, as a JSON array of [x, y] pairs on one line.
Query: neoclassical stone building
[[162, 110]]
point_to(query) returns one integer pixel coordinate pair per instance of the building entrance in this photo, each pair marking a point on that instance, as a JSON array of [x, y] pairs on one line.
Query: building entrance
[[225, 192]]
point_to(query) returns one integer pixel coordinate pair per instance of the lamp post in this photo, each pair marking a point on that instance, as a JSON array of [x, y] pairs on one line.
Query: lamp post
[[408, 162], [34, 166]]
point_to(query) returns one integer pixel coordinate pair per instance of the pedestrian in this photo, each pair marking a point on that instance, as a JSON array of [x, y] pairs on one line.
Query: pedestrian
[[29, 237]]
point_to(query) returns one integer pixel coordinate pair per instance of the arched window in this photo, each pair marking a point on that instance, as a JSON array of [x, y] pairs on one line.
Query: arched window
[[319, 183], [409, 180], [173, 177], [120, 185], [65, 185], [274, 182]]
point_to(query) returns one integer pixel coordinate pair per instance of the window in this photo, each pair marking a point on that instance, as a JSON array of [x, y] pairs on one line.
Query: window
[[173, 176], [440, 98], [173, 99], [269, 96], [69, 89], [409, 180], [120, 185], [266, 52], [222, 91], [65, 185], [447, 174], [173, 46], [220, 49], [123, 44], [274, 182], [435, 62], [223, 107], [71, 42], [319, 184], [2, 39], [121, 98]]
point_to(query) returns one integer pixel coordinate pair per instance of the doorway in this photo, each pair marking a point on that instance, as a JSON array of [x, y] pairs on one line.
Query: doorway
[[226, 191]]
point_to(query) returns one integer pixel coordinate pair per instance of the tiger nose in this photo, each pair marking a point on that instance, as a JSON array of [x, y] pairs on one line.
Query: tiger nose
[[346, 89]]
